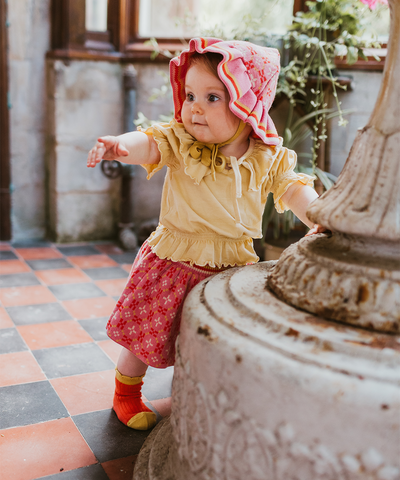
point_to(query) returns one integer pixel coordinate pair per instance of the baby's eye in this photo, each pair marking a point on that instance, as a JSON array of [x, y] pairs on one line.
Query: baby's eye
[[189, 97], [213, 98]]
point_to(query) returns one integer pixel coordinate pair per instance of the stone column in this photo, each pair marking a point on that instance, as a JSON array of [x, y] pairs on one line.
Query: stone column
[[266, 391], [354, 275]]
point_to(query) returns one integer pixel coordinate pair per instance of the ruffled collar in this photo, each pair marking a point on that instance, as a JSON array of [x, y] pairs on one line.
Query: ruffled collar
[[197, 170]]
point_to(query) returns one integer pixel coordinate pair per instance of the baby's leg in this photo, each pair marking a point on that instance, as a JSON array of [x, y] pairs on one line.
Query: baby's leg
[[129, 364], [127, 402]]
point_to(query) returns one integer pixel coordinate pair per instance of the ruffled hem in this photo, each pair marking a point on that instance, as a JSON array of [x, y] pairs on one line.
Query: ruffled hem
[[202, 250], [284, 183]]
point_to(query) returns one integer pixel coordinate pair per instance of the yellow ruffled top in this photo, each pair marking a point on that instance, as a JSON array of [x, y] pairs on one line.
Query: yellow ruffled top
[[210, 219]]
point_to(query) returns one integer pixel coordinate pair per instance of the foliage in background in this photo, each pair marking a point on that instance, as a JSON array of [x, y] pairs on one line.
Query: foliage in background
[[372, 4], [328, 29]]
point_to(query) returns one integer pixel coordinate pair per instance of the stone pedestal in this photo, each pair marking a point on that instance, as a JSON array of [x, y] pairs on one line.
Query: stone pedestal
[[354, 276], [262, 391]]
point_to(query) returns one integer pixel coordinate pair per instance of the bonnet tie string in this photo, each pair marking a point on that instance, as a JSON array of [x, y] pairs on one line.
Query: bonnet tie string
[[238, 177], [209, 154]]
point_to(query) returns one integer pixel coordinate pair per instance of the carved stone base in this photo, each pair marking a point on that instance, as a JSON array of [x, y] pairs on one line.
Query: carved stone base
[[341, 277], [153, 461], [264, 391]]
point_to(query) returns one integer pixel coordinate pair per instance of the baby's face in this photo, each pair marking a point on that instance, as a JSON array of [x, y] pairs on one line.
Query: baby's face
[[205, 111]]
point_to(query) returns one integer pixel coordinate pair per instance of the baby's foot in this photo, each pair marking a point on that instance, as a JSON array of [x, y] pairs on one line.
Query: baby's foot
[[128, 404]]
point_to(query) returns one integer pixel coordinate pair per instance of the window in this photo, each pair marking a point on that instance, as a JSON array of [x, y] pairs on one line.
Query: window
[[101, 29], [117, 29], [167, 18], [96, 15], [377, 22]]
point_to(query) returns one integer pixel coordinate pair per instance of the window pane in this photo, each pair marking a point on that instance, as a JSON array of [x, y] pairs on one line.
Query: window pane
[[377, 22], [188, 18], [165, 18], [228, 15], [96, 15]]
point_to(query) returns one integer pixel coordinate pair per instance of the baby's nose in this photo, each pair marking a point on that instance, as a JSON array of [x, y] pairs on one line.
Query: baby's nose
[[196, 108]]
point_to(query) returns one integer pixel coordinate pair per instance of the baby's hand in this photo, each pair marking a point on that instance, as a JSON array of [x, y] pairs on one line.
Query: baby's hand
[[317, 229], [106, 148]]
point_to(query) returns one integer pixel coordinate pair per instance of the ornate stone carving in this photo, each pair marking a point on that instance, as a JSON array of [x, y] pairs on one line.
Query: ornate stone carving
[[354, 276], [247, 451], [364, 200], [335, 277]]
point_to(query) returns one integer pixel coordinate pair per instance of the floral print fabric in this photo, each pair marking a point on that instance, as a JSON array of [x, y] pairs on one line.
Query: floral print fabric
[[147, 317]]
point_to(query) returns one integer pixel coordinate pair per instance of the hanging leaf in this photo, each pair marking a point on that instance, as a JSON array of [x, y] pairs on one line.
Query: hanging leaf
[[325, 180], [288, 135], [352, 55]]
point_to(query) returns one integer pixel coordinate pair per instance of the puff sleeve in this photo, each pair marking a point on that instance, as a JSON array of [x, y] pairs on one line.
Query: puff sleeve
[[282, 176], [168, 145]]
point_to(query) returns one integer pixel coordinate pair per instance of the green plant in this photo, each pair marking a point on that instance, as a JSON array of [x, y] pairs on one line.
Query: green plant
[[328, 29]]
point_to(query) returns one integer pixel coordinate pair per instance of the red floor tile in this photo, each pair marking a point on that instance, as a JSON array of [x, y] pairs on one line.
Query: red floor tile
[[5, 320], [20, 367], [109, 249], [127, 267], [121, 469], [62, 276], [92, 261], [111, 349], [43, 449], [38, 253], [163, 406], [55, 334], [33, 295], [86, 393], [112, 287], [5, 246], [13, 266], [90, 307]]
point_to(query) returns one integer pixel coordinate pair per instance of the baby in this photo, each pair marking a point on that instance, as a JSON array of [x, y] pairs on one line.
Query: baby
[[223, 156]]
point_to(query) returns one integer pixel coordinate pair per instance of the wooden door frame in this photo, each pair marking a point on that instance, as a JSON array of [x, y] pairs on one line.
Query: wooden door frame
[[5, 177]]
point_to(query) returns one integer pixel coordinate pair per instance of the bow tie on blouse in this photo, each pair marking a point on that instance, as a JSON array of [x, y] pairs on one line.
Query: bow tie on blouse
[[209, 154]]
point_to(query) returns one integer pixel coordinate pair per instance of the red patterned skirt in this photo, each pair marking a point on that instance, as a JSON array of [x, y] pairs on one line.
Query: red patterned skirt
[[147, 317]]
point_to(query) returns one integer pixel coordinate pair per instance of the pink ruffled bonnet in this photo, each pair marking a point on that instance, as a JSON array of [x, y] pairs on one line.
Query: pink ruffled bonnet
[[249, 72]]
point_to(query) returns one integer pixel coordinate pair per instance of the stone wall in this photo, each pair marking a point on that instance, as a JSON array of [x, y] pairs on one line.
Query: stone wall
[[85, 100], [361, 99], [28, 42], [147, 193]]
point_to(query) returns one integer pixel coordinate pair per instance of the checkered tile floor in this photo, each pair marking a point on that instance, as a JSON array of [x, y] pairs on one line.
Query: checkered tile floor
[[57, 365]]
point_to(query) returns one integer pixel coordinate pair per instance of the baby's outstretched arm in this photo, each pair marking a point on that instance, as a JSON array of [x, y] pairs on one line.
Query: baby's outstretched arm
[[298, 197], [135, 148]]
